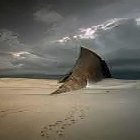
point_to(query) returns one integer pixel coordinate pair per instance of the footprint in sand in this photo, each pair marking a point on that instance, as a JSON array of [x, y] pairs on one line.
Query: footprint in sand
[[57, 129]]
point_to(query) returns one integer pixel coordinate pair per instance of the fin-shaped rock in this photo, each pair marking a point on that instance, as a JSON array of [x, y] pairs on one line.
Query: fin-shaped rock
[[89, 67]]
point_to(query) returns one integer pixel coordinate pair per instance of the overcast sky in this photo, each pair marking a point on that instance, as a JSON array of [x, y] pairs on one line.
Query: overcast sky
[[31, 33]]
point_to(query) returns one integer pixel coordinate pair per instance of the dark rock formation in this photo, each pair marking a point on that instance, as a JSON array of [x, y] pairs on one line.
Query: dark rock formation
[[89, 67], [65, 77]]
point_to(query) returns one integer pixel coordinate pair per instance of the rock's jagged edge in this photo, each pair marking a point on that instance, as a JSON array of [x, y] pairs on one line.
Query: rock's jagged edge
[[89, 67]]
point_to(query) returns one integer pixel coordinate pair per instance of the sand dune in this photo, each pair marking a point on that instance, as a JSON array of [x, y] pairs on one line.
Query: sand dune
[[28, 112], [22, 85]]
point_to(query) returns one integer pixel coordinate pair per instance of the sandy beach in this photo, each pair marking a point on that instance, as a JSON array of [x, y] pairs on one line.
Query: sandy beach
[[27, 111]]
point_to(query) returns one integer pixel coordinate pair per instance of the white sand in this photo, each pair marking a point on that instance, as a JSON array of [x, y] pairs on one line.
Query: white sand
[[109, 110]]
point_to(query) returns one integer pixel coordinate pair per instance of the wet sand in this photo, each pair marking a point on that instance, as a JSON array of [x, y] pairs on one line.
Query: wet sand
[[27, 111]]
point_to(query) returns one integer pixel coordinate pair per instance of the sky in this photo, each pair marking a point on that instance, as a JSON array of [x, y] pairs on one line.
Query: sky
[[44, 36]]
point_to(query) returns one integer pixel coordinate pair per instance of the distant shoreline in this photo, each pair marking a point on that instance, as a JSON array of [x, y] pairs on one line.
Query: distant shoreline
[[33, 76]]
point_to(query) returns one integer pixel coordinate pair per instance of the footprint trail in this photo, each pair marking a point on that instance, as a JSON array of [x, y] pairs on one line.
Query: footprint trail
[[57, 129]]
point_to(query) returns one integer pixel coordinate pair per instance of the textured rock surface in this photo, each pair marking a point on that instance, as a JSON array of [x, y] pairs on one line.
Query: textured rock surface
[[89, 67]]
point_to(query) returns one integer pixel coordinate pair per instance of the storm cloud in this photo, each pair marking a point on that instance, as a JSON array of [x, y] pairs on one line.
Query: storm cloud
[[45, 36]]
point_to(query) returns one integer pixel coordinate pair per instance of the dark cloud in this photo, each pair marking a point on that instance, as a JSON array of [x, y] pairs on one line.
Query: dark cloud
[[30, 30], [77, 6], [47, 16]]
